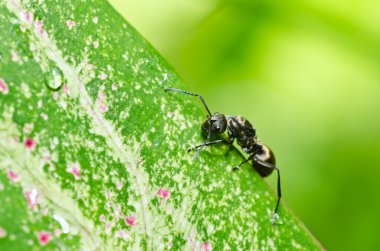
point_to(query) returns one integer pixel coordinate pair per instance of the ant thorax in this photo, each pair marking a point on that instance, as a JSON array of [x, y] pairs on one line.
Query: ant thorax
[[244, 133]]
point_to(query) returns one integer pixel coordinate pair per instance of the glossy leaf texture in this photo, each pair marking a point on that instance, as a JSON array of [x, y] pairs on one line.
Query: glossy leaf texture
[[93, 151]]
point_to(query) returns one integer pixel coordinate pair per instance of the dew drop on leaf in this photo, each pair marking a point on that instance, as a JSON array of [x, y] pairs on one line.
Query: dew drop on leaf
[[54, 78]]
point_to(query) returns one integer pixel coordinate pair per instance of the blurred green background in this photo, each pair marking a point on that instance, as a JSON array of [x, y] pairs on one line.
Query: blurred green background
[[307, 74]]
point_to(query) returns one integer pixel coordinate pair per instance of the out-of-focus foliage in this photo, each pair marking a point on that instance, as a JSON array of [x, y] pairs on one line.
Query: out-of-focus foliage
[[307, 74]]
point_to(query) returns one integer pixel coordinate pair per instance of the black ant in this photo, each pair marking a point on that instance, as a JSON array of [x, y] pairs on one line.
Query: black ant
[[241, 129]]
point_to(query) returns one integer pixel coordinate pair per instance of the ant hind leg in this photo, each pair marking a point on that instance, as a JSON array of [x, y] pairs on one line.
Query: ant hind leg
[[275, 215], [249, 158]]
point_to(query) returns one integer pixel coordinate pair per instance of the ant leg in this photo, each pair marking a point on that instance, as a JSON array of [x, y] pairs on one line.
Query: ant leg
[[207, 144], [203, 145], [249, 158], [238, 166], [275, 215], [199, 150]]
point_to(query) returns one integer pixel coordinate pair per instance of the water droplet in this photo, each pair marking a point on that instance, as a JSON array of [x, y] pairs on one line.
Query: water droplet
[[274, 219], [54, 79]]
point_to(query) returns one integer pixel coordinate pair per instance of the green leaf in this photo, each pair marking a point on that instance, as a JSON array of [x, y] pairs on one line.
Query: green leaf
[[93, 151]]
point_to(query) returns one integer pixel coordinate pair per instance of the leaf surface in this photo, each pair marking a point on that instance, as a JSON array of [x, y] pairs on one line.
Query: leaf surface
[[93, 151]]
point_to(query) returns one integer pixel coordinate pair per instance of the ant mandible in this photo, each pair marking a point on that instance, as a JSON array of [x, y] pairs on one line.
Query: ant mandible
[[241, 129]]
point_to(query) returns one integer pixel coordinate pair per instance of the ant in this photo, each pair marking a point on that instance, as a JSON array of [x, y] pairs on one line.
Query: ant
[[239, 128]]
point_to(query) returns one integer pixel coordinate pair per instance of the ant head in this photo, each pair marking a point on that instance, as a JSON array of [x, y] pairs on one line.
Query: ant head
[[216, 123]]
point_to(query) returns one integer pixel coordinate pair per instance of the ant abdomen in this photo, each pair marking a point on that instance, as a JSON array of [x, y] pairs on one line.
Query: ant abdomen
[[265, 155]]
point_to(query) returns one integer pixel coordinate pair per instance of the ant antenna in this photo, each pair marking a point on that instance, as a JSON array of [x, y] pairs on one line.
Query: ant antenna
[[190, 93]]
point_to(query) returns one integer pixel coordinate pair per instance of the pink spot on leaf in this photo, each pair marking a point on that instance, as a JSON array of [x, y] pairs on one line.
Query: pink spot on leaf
[[104, 108], [26, 17], [3, 87], [66, 89], [70, 24], [119, 185], [29, 143], [96, 44], [130, 220], [114, 86], [44, 238], [102, 218], [47, 157], [55, 96], [32, 198], [102, 76], [14, 56], [164, 193], [109, 194], [75, 171], [122, 234], [101, 95], [108, 227], [38, 25], [99, 101], [13, 176], [3, 233], [207, 246]]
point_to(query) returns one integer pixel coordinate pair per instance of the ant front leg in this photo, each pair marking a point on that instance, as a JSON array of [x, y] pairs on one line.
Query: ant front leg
[[207, 144], [200, 147]]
